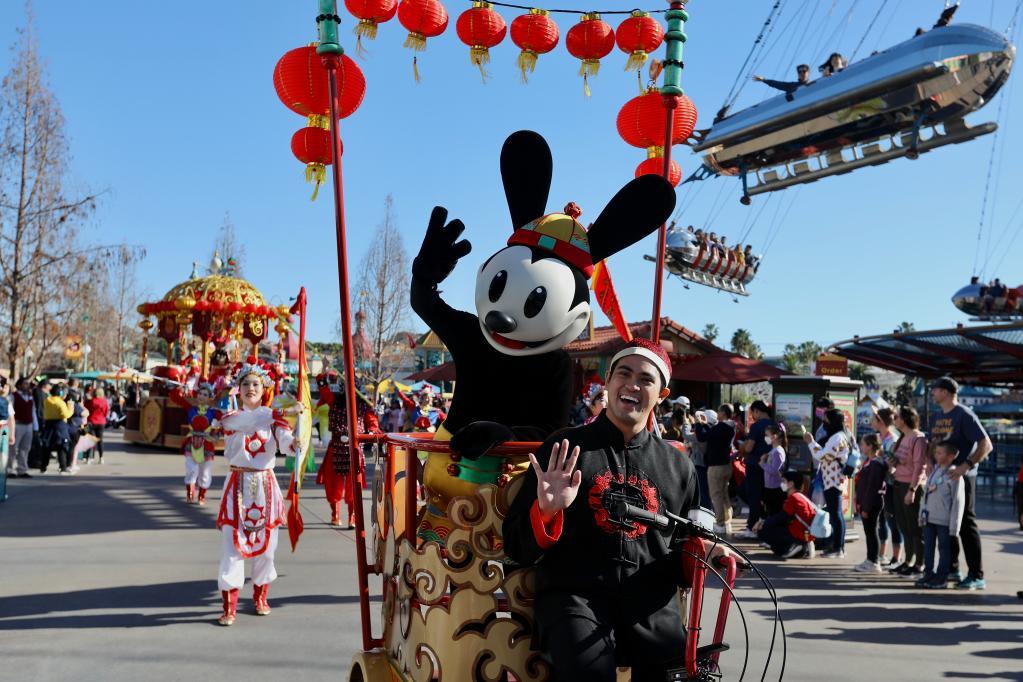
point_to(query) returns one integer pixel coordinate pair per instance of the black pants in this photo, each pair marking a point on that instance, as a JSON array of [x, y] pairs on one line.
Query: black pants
[[909, 523], [778, 537], [969, 534], [583, 642], [97, 430], [870, 531], [773, 499], [753, 486]]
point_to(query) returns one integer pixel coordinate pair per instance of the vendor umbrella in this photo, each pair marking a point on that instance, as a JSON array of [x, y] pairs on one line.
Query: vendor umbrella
[[437, 374], [421, 386], [724, 368]]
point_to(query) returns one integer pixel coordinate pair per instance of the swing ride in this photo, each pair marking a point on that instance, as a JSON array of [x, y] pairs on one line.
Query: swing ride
[[870, 113], [989, 302], [702, 262]]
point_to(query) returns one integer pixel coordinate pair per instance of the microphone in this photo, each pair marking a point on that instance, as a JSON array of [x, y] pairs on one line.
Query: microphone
[[624, 510]]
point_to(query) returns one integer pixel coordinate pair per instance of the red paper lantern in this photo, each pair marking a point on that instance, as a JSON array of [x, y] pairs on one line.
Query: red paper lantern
[[300, 80], [311, 146], [654, 165], [641, 120], [638, 36], [590, 40], [481, 28], [535, 34], [370, 13], [423, 19]]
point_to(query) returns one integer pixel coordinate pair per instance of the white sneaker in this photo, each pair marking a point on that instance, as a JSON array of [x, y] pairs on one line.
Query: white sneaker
[[867, 566], [746, 534]]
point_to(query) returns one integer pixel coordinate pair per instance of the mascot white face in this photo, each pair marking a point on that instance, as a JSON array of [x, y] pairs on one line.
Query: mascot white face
[[530, 303]]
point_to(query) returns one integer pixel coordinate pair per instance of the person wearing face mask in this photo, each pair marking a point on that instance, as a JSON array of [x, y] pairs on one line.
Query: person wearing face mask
[[831, 458], [606, 586], [788, 530], [773, 464]]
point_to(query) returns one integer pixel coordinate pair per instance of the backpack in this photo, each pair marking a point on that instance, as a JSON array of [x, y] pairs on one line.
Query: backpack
[[855, 459], [820, 527]]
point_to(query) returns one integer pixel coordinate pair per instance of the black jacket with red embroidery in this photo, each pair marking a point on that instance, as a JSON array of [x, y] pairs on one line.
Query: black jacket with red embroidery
[[586, 547]]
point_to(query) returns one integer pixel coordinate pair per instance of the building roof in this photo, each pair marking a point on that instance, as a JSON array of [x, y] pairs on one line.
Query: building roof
[[606, 340], [430, 341], [985, 355]]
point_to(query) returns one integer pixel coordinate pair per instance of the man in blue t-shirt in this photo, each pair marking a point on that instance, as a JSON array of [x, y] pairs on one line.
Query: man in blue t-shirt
[[960, 425], [752, 448]]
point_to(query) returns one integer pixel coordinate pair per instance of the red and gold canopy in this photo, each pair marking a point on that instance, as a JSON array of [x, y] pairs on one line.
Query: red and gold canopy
[[216, 307]]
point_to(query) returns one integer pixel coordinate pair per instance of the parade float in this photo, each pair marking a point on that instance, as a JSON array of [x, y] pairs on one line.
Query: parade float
[[208, 324], [450, 609]]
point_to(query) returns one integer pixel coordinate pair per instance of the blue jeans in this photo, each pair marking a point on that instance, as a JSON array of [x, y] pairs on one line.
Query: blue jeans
[[833, 501], [935, 534]]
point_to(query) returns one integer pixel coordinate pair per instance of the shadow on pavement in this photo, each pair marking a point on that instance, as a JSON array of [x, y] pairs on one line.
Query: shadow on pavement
[[84, 504], [199, 599]]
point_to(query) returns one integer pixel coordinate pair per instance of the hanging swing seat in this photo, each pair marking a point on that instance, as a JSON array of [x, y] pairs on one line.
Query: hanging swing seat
[[904, 101]]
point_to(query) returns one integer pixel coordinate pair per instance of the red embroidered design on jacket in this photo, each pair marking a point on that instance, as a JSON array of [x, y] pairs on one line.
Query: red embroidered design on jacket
[[637, 491]]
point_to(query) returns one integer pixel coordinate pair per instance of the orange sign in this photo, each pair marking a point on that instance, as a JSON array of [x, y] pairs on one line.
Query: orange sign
[[831, 365]]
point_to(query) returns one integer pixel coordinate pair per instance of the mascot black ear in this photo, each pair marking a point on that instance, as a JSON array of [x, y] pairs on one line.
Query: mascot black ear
[[638, 209], [526, 170]]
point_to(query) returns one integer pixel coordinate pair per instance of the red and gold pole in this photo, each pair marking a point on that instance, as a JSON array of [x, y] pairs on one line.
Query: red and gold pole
[[330, 52]]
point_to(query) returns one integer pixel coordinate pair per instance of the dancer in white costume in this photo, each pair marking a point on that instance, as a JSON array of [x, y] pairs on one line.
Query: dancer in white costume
[[252, 506]]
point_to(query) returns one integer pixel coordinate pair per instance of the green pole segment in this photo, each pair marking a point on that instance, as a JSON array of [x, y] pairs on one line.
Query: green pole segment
[[327, 22], [673, 39]]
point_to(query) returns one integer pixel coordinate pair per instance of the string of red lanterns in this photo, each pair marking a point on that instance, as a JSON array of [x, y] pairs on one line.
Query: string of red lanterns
[[535, 33], [641, 123]]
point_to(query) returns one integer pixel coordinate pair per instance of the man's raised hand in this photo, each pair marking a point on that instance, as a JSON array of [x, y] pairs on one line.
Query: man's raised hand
[[557, 487]]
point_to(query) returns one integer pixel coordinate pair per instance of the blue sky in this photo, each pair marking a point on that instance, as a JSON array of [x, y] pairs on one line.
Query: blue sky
[[170, 108]]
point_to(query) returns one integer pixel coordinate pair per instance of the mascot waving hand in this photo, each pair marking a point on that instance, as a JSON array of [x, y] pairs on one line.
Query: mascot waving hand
[[532, 298]]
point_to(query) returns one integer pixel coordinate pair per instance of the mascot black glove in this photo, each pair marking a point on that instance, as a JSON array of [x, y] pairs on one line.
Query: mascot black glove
[[441, 249], [473, 440]]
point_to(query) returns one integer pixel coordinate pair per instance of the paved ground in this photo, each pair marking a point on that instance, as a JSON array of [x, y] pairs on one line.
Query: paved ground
[[109, 576]]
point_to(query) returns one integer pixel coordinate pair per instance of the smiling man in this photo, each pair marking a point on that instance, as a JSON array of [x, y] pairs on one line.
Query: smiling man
[[606, 589]]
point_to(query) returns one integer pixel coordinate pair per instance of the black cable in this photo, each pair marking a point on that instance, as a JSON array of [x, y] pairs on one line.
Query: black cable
[[735, 600], [576, 11], [729, 100], [870, 27], [778, 621]]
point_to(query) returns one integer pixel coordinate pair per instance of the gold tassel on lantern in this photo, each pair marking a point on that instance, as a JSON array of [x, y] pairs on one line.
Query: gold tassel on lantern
[[365, 27], [318, 121], [527, 62], [315, 173], [415, 69], [480, 56], [636, 60], [589, 67], [415, 41]]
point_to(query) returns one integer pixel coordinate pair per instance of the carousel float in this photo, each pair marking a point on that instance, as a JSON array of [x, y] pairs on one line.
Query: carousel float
[[206, 321]]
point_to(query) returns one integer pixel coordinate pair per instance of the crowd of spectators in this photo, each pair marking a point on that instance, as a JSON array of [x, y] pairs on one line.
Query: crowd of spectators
[[914, 490], [42, 419]]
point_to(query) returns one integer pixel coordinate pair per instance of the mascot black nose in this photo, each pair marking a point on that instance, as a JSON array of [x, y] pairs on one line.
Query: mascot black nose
[[499, 322]]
